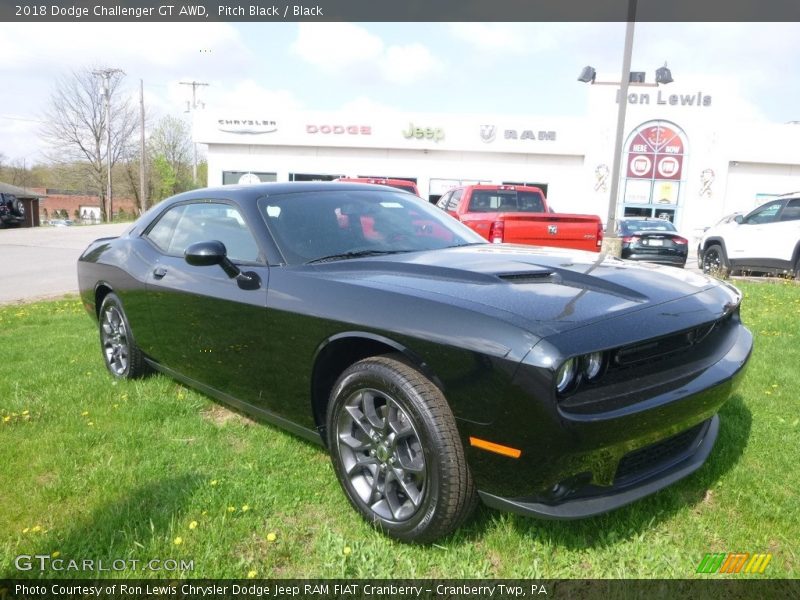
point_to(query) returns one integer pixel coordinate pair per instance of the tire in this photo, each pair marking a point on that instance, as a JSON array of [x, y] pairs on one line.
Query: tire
[[715, 262], [396, 451], [121, 355], [17, 208]]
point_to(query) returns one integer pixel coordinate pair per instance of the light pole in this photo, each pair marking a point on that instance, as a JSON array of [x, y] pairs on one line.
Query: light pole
[[193, 107], [612, 244]]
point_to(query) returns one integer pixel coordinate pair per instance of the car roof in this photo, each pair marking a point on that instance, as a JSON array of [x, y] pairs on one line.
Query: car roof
[[257, 190]]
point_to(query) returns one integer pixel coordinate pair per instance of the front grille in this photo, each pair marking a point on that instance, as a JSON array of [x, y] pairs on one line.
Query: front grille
[[662, 347], [647, 369], [657, 456]]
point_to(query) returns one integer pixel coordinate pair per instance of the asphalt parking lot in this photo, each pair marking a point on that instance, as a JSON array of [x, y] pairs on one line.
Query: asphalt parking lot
[[39, 262]]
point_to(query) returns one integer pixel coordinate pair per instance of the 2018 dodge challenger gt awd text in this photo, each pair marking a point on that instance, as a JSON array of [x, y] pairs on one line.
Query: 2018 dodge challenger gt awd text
[[437, 368]]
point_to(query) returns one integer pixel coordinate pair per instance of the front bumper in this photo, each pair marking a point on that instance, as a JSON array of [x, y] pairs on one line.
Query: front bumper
[[596, 500], [615, 443]]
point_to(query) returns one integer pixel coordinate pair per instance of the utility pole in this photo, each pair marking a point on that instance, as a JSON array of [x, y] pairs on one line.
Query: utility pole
[[106, 75], [194, 85], [142, 188], [612, 243]]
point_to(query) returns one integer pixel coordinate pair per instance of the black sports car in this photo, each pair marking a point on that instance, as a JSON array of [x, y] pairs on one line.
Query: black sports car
[[653, 240], [436, 367]]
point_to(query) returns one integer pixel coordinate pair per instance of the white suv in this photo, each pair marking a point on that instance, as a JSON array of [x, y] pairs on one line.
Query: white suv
[[765, 240]]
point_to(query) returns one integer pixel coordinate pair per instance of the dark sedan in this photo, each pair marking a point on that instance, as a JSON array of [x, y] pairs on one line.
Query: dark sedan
[[435, 367], [653, 240]]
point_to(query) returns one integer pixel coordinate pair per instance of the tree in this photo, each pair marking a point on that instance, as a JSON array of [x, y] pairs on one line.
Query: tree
[[170, 150], [76, 128]]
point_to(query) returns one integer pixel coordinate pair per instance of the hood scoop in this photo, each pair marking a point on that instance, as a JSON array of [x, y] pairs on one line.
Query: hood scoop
[[530, 276]]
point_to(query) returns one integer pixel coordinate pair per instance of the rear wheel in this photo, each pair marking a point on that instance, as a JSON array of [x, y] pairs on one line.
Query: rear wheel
[[120, 352], [715, 262], [396, 451]]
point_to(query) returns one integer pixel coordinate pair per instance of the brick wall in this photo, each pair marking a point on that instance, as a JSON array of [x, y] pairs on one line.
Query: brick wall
[[73, 202]]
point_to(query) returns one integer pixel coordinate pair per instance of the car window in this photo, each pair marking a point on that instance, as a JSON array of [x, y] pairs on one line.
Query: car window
[[791, 211], [452, 204], [505, 201], [186, 224], [442, 203], [314, 225], [764, 214], [651, 225]]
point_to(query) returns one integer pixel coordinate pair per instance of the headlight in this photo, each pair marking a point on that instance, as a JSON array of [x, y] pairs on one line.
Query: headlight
[[565, 376], [593, 365]]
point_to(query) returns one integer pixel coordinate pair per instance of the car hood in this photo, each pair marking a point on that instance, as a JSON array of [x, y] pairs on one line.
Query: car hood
[[543, 290]]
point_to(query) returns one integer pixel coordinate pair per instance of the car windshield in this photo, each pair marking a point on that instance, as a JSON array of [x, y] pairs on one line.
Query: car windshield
[[652, 225], [334, 224]]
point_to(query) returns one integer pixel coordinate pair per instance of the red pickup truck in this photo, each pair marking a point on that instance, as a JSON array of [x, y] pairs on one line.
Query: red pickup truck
[[519, 215], [400, 184]]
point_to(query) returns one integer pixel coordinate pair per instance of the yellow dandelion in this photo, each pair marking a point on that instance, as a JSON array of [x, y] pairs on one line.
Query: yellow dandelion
[[90, 423], [26, 530], [347, 550], [85, 413], [271, 537], [231, 509], [245, 508], [251, 574], [55, 554], [214, 482], [36, 529], [178, 541], [193, 525], [25, 412], [6, 419], [204, 513]]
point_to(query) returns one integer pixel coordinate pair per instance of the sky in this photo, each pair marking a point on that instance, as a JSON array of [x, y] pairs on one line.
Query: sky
[[454, 68]]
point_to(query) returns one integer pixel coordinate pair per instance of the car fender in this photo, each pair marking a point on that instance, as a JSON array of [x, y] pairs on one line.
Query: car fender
[[337, 352]]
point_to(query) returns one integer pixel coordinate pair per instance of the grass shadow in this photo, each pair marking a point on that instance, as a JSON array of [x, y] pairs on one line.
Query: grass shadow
[[636, 518], [112, 532]]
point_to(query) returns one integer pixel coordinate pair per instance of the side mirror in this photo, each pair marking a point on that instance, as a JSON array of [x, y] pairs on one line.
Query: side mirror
[[739, 219], [206, 254]]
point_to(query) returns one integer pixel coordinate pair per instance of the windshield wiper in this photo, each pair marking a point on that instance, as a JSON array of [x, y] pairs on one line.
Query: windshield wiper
[[354, 254]]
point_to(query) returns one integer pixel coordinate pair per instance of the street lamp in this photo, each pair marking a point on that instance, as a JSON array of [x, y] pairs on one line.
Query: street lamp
[[612, 244]]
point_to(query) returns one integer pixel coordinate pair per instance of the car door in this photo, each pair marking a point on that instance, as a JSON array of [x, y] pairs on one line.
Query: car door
[[750, 241], [784, 234], [209, 327]]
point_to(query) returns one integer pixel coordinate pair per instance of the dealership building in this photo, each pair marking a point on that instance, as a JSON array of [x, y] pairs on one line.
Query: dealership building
[[685, 157]]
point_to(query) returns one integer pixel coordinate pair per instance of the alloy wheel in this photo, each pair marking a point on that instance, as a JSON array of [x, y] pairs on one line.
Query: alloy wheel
[[382, 455], [115, 340]]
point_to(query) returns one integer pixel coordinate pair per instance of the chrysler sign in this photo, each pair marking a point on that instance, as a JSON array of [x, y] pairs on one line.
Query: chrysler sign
[[247, 126]]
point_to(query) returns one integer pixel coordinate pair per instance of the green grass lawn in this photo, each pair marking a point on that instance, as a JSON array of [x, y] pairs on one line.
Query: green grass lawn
[[98, 469]]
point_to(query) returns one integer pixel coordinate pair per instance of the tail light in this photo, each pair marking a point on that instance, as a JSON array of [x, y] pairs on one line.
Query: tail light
[[599, 235], [497, 232], [680, 240], [630, 239]]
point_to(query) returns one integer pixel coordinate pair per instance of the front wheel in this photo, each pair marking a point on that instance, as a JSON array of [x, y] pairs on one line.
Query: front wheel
[[396, 451], [715, 262], [120, 352]]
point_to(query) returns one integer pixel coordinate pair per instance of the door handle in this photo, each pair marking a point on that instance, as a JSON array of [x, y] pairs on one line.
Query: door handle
[[159, 272]]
